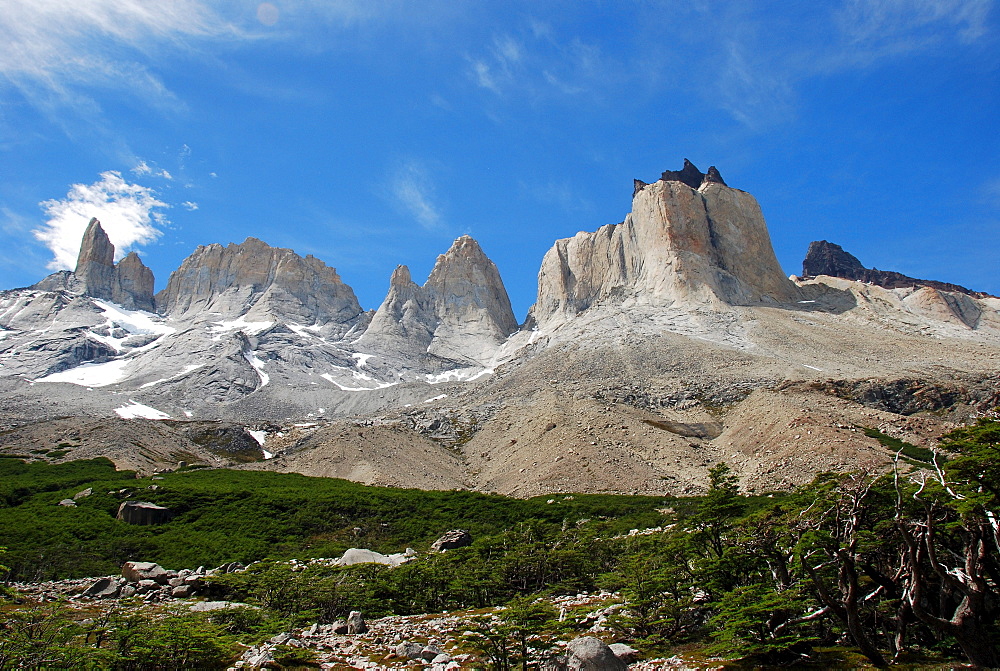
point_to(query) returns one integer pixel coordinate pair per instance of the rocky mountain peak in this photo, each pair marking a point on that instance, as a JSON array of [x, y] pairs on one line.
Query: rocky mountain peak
[[95, 249], [130, 283], [461, 314], [95, 266], [133, 284], [254, 277], [827, 258], [401, 277], [689, 239]]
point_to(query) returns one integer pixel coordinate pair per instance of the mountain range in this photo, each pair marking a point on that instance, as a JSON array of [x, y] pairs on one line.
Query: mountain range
[[656, 348]]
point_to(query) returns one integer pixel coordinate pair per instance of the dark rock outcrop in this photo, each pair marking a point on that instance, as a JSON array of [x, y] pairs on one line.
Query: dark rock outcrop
[[713, 176], [143, 512], [827, 258], [456, 538], [689, 175]]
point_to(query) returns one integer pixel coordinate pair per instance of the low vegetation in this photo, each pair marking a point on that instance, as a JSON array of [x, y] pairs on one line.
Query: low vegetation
[[857, 569]]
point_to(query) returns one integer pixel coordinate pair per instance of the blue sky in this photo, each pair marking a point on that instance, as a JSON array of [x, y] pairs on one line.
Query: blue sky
[[371, 134]]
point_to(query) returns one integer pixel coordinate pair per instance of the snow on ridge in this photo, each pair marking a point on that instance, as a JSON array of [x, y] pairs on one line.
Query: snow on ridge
[[361, 358], [91, 374], [133, 321], [259, 435], [258, 366], [379, 385], [219, 329], [139, 411], [303, 331]]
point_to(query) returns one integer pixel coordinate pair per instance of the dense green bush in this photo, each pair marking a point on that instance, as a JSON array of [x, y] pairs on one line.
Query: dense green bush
[[225, 515]]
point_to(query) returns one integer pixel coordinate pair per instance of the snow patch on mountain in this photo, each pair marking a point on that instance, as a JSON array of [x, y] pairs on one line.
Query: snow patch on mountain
[[458, 375], [136, 410], [91, 374], [258, 366], [219, 329]]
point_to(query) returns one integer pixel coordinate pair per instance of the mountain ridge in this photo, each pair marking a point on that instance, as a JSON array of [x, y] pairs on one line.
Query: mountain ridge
[[678, 317]]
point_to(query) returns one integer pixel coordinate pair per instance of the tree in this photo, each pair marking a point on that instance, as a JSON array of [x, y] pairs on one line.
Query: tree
[[756, 621]]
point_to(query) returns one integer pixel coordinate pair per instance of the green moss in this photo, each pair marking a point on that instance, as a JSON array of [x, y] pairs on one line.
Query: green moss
[[920, 454]]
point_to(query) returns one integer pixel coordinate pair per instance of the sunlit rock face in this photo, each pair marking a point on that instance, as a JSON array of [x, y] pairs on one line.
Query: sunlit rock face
[[462, 313], [129, 283], [258, 281], [689, 239]]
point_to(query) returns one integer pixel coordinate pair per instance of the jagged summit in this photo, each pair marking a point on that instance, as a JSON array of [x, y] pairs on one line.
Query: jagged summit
[[689, 175], [689, 238], [253, 277], [462, 313], [659, 346], [129, 283], [827, 258], [97, 254]]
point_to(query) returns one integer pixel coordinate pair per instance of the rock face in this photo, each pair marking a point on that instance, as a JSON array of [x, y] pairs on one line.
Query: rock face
[[451, 540], [462, 313], [941, 301], [133, 284], [826, 258], [143, 512], [129, 284], [268, 280], [591, 654], [95, 266], [689, 239]]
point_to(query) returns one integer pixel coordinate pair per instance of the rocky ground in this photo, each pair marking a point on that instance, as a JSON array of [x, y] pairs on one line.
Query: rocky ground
[[438, 641]]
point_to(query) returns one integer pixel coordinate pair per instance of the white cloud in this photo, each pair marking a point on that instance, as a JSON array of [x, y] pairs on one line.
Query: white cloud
[[190, 206], [128, 213], [143, 168], [414, 192]]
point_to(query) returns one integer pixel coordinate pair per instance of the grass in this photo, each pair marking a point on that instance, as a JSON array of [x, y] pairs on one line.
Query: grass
[[226, 515]]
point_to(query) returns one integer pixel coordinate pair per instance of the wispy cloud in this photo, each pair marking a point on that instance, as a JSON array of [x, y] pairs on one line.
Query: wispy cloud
[[991, 192], [894, 26], [129, 214], [413, 191], [537, 62], [189, 205], [752, 58], [143, 168], [55, 52]]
